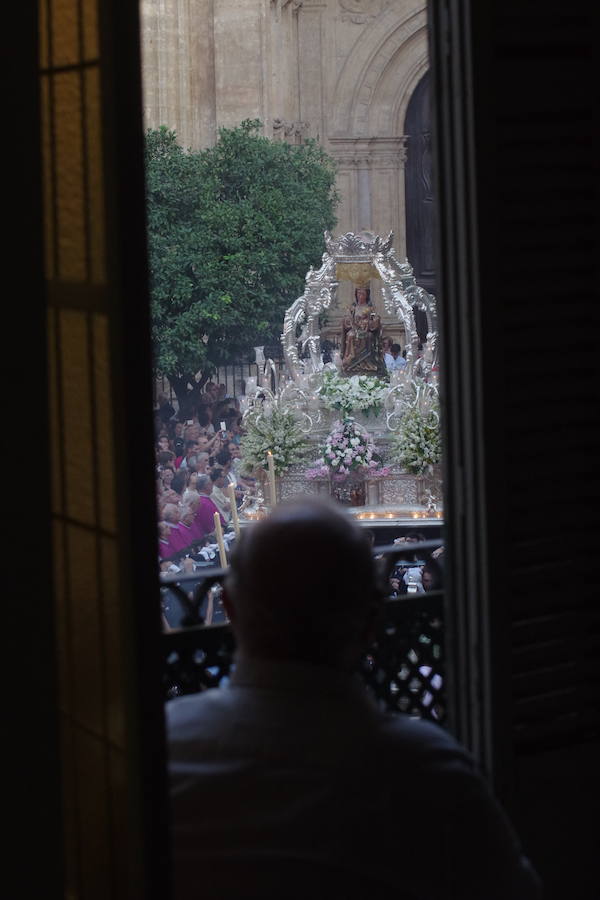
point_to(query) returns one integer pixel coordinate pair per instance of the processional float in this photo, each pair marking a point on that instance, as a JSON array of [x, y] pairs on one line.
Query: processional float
[[401, 494]]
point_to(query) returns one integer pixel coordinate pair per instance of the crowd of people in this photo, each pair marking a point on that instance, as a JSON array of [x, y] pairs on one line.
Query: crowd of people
[[197, 459], [415, 575]]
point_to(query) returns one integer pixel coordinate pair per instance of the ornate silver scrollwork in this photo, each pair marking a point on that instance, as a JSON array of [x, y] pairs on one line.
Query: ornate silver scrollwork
[[253, 504], [419, 390], [301, 333], [302, 400]]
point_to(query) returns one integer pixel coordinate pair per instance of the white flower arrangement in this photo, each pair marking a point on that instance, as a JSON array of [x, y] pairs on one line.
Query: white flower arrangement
[[348, 451], [417, 445], [360, 392], [278, 432]]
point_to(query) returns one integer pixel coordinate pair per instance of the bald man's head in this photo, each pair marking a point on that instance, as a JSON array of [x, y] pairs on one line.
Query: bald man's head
[[302, 584]]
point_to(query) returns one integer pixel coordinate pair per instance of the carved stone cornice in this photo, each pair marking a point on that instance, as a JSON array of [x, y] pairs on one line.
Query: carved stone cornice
[[290, 129], [369, 153], [282, 4], [359, 11]]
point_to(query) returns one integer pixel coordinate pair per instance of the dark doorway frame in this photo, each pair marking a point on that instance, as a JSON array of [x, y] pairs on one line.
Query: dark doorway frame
[[419, 186], [479, 58]]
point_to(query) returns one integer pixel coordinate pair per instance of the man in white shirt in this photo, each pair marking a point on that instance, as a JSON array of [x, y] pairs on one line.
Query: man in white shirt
[[386, 346], [290, 782], [398, 361]]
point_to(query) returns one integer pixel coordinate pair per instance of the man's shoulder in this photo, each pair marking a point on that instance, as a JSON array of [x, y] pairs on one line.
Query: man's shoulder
[[185, 716], [389, 735], [424, 748], [417, 735]]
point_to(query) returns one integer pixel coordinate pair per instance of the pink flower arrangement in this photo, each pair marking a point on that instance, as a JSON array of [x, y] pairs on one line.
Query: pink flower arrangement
[[317, 472], [348, 451]]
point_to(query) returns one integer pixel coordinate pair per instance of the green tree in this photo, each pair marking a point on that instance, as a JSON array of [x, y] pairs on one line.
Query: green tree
[[232, 231]]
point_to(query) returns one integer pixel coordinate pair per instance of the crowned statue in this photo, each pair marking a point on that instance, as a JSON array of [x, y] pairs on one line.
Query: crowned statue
[[357, 433], [361, 351]]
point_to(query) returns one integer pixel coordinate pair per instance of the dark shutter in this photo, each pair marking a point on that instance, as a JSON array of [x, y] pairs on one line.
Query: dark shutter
[[516, 149]]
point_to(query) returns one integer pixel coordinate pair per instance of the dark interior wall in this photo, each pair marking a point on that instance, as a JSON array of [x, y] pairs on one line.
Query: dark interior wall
[[147, 858], [31, 786], [85, 806], [545, 153], [536, 326]]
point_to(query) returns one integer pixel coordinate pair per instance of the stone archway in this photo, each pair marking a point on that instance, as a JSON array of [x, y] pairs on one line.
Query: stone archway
[[370, 100], [359, 90]]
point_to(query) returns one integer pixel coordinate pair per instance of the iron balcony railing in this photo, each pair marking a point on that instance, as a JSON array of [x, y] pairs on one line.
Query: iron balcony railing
[[404, 669]]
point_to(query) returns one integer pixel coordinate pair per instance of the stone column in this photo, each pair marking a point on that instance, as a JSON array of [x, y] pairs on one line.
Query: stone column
[[178, 69], [346, 183], [363, 184], [242, 58], [284, 113], [388, 156], [371, 184], [312, 52], [350, 214]]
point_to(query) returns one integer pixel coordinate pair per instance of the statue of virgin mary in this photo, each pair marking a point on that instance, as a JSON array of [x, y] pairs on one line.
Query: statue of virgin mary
[[360, 348]]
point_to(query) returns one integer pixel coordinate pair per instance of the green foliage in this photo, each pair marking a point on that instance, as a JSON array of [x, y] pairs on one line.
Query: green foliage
[[278, 432], [418, 444], [232, 231]]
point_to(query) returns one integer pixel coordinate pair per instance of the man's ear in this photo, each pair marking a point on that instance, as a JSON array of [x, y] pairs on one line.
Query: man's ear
[[227, 602]]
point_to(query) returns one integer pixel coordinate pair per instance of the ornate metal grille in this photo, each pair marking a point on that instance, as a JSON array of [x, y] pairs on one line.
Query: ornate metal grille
[[196, 659], [404, 669]]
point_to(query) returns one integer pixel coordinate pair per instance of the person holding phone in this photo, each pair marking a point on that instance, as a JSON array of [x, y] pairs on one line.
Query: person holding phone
[[205, 420]]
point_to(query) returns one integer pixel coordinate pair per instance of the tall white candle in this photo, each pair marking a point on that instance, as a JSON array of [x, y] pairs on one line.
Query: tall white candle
[[271, 464], [220, 542], [234, 513]]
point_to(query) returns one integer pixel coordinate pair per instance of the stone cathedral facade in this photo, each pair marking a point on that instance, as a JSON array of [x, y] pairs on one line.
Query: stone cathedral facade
[[341, 71]]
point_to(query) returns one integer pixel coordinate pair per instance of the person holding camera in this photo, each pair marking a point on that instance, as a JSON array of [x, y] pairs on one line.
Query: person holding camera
[[407, 571]]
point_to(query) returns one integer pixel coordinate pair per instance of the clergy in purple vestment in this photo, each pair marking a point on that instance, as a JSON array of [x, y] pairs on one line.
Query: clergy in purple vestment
[[171, 516], [191, 505], [164, 545], [185, 526], [206, 507]]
